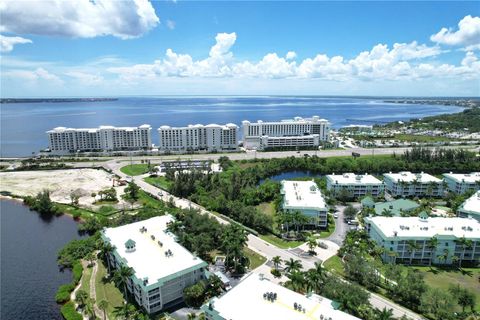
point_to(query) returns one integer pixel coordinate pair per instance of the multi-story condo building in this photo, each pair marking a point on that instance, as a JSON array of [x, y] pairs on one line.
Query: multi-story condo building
[[297, 132], [104, 138], [162, 267], [407, 184], [357, 185], [305, 197], [462, 182], [424, 240], [471, 207], [256, 297], [212, 137]]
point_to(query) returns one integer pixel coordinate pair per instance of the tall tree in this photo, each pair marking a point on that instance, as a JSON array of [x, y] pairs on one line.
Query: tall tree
[[122, 276]]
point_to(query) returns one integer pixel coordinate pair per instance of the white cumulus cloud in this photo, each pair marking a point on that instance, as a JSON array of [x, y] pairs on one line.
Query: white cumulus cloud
[[291, 55], [468, 34], [7, 43], [79, 18], [33, 75]]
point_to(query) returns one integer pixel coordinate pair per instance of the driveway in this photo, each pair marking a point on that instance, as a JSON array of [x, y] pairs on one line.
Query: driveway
[[341, 227]]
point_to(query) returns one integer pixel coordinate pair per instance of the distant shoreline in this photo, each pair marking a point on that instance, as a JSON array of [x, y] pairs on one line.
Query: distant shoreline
[[53, 100]]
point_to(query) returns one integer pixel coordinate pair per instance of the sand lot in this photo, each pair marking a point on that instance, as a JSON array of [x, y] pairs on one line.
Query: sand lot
[[60, 183]]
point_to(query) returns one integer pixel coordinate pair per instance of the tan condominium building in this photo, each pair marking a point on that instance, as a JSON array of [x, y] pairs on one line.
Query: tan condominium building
[[296, 132], [104, 138], [209, 138]]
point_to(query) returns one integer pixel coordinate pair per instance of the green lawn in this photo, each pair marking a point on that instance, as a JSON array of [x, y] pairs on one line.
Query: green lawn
[[134, 169], [68, 209], [85, 282], [267, 207], [276, 241], [159, 182], [443, 278], [147, 199], [411, 137], [107, 291], [256, 260], [335, 265]]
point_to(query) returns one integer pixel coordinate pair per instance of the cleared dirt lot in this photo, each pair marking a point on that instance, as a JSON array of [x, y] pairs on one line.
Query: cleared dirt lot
[[60, 183]]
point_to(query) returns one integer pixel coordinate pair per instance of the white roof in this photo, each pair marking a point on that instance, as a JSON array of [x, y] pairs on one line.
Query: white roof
[[295, 120], [463, 177], [407, 176], [426, 228], [302, 194], [93, 130], [473, 203], [246, 301], [149, 259], [351, 178], [192, 126]]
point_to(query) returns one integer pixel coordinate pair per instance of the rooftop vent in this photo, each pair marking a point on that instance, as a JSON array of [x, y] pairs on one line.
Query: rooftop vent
[[130, 245]]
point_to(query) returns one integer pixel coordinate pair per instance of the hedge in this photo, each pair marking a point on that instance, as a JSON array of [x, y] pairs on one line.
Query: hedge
[[63, 293], [69, 313]]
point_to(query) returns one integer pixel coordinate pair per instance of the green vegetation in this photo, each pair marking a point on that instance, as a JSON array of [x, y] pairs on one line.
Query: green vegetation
[[418, 138], [199, 293], [69, 313], [63, 293], [107, 291], [330, 228], [468, 118], [159, 182], [42, 203], [135, 169], [255, 259], [281, 243], [335, 265], [267, 208]]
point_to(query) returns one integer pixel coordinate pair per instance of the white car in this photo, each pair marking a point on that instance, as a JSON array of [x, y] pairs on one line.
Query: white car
[[335, 215]]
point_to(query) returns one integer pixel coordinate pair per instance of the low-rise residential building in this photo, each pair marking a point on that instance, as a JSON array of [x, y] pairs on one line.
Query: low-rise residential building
[[104, 138], [305, 197], [425, 240], [357, 185], [471, 207], [210, 138], [162, 267], [256, 297], [393, 208], [462, 182], [407, 184], [296, 132]]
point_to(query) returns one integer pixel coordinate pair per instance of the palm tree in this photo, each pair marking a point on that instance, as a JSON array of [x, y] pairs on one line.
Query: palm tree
[[412, 247], [276, 262], [296, 282], [106, 250], [126, 311], [81, 297], [103, 305], [465, 244], [432, 244], [121, 277], [191, 316], [292, 266], [384, 314], [89, 309], [311, 243], [393, 255]]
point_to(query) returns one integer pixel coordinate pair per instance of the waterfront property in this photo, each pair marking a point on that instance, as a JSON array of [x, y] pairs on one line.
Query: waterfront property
[[305, 197], [296, 132], [256, 297], [425, 240], [104, 138], [390, 208], [162, 267], [471, 207], [356, 185], [407, 184], [210, 138], [462, 182]]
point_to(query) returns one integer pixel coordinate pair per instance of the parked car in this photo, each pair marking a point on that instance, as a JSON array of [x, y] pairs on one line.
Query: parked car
[[323, 245], [335, 215]]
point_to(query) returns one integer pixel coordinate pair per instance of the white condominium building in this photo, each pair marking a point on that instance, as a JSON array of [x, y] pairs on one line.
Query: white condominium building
[[162, 267], [462, 182], [357, 185], [407, 184], [471, 207], [297, 132], [212, 137], [104, 138], [424, 240], [256, 297], [304, 196]]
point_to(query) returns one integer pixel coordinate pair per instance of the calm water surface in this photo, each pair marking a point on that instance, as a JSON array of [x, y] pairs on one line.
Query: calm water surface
[[29, 273], [23, 125]]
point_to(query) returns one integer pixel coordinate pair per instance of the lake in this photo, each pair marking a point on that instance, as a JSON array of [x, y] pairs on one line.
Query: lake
[[30, 275], [23, 125]]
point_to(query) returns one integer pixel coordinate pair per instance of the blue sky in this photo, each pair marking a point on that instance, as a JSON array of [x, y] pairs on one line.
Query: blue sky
[[329, 48]]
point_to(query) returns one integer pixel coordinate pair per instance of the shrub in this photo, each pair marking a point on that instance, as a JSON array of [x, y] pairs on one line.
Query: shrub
[[63, 293], [77, 272], [276, 273], [69, 312]]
